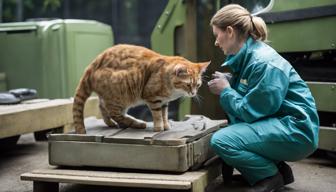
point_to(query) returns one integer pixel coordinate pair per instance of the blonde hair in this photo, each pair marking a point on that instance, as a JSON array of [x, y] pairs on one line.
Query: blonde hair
[[240, 19]]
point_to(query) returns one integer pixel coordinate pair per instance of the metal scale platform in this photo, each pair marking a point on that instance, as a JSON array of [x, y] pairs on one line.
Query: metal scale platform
[[171, 159], [185, 146]]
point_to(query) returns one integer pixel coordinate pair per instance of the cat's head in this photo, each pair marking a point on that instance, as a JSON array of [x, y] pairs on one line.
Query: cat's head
[[187, 77]]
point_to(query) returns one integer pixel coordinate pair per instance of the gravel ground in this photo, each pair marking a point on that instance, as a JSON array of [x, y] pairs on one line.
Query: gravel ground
[[317, 173]]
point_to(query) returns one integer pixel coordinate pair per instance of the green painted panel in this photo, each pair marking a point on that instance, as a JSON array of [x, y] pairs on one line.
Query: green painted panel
[[285, 5], [324, 94], [163, 35], [305, 35], [327, 137], [163, 38]]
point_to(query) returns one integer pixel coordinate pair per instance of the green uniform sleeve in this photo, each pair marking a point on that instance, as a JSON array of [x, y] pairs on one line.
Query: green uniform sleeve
[[266, 91]]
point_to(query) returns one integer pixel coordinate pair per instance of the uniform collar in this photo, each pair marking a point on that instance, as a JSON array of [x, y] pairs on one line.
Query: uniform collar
[[236, 62]]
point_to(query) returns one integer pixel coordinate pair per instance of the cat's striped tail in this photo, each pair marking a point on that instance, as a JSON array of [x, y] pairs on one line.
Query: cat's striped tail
[[83, 91]]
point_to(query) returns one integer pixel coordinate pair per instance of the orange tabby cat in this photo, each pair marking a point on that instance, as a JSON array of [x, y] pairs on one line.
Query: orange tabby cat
[[124, 76]]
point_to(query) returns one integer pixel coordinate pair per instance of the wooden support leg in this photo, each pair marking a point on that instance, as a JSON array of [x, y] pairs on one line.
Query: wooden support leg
[[41, 186], [200, 183]]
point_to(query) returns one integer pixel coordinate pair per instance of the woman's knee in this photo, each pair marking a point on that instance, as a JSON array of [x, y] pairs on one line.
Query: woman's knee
[[222, 144], [216, 141]]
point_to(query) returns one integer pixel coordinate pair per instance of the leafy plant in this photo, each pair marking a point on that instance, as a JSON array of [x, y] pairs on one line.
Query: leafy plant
[[53, 4]]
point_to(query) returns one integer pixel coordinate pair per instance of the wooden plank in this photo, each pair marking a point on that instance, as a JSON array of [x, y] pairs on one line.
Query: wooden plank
[[199, 184], [119, 179], [30, 117], [194, 180]]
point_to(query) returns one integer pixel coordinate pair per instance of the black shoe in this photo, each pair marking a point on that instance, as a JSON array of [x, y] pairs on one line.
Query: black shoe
[[286, 172], [268, 184], [227, 172], [239, 179]]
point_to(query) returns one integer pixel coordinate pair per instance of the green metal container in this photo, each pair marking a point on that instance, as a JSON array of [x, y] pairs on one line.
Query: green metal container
[[50, 56], [303, 25], [3, 85]]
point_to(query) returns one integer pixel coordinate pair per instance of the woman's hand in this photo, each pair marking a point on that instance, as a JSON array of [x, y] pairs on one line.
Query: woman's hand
[[217, 85], [219, 75]]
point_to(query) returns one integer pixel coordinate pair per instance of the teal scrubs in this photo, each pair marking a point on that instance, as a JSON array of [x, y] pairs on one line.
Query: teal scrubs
[[272, 113]]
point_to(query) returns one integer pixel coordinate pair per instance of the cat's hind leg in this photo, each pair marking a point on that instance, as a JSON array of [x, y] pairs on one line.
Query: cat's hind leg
[[106, 117], [118, 113]]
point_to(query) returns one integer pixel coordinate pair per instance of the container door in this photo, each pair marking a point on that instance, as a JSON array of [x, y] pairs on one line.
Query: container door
[[85, 41], [53, 59], [20, 47]]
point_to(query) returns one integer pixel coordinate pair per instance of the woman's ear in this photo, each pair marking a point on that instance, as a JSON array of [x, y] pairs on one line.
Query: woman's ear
[[230, 31]]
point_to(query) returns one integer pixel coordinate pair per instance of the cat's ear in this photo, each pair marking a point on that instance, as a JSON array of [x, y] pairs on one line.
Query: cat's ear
[[204, 66], [160, 61], [180, 70]]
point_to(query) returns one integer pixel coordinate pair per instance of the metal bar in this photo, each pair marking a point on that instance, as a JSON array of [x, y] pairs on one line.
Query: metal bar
[[19, 10], [299, 14], [1, 11]]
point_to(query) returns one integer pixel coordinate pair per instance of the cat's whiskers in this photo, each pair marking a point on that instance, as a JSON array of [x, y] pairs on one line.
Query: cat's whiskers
[[198, 99], [205, 79]]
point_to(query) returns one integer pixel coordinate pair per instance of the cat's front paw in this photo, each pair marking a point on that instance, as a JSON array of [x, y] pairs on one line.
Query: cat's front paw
[[158, 129], [111, 123], [80, 131], [141, 125], [166, 126]]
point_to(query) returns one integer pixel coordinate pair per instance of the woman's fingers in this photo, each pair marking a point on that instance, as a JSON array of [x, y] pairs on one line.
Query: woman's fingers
[[218, 75]]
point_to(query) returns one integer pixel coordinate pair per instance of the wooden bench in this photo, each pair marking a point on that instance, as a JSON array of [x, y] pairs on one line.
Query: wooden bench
[[41, 114], [48, 179]]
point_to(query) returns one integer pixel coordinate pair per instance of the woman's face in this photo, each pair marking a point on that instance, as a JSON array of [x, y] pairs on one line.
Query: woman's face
[[224, 39]]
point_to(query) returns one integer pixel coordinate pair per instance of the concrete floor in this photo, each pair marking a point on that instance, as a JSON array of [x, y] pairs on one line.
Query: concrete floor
[[317, 173]]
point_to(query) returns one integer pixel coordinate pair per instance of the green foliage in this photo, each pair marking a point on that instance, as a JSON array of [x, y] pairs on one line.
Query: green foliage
[[8, 10], [10, 7], [52, 4]]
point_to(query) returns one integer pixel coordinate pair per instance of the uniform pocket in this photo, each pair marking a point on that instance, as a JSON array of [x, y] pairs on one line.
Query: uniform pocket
[[242, 88]]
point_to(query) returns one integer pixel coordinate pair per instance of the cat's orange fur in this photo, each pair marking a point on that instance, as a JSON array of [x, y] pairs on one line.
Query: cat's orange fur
[[126, 75]]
